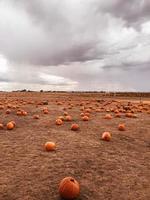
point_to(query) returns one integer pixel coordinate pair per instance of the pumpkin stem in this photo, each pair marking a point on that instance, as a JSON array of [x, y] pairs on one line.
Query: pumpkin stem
[[72, 179]]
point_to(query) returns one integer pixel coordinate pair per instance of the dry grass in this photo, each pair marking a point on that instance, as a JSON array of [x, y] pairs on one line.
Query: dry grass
[[113, 170]]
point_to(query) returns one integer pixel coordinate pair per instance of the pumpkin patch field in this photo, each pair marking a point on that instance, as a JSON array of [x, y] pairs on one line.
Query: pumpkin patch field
[[82, 146]]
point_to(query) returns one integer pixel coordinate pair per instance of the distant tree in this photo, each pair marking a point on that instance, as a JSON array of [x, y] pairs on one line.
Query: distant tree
[[24, 90]]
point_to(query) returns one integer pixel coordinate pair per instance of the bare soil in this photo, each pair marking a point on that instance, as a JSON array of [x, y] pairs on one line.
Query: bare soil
[[115, 170]]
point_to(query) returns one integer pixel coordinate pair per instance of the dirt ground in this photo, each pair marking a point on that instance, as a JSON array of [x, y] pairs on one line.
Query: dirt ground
[[114, 170]]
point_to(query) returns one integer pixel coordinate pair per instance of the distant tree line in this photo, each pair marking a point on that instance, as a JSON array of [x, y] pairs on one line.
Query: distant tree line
[[102, 93]]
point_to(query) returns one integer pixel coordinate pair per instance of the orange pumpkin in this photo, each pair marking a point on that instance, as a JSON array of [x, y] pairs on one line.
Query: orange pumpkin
[[50, 146], [69, 188], [88, 110], [14, 107], [82, 114], [24, 113], [134, 116], [10, 126], [106, 136], [65, 113], [116, 111], [74, 127], [8, 111], [87, 114], [118, 115], [81, 104], [82, 108], [36, 116], [108, 116], [19, 113], [45, 108], [68, 118], [45, 111], [129, 115], [59, 103], [9, 106], [85, 118], [121, 127], [1, 126], [59, 122], [1, 107]]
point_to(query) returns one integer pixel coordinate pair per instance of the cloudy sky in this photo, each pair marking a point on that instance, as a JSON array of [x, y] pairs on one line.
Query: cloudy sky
[[75, 45]]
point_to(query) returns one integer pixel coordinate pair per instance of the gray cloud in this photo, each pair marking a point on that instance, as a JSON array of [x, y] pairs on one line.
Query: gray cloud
[[133, 12], [50, 33], [127, 66], [85, 46]]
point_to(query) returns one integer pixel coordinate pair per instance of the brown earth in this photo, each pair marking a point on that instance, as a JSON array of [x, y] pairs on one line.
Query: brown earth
[[115, 170]]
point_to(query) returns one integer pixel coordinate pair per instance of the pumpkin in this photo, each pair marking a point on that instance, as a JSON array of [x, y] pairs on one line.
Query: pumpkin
[[59, 103], [70, 107], [10, 126], [19, 112], [1, 107], [116, 111], [108, 116], [36, 116], [121, 127], [82, 108], [88, 110], [1, 126], [87, 114], [82, 114], [129, 114], [49, 146], [59, 122], [69, 188], [106, 136], [8, 111], [112, 109], [74, 127], [118, 115], [9, 106], [85, 118], [45, 111], [134, 116], [68, 118], [24, 113], [65, 113], [45, 108], [81, 104]]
